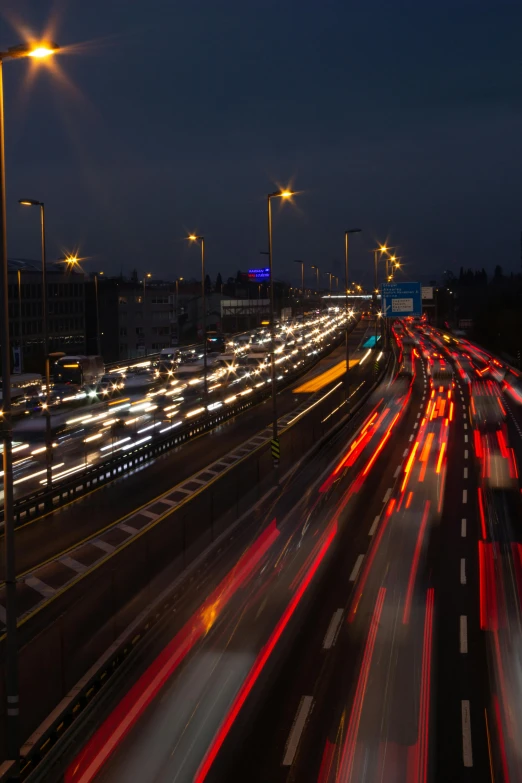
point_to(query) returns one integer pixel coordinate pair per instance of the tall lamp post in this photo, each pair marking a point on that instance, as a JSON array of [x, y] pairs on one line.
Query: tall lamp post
[[11, 663], [178, 280], [316, 276], [346, 248], [146, 276], [29, 202], [302, 275], [283, 194], [201, 240], [97, 304]]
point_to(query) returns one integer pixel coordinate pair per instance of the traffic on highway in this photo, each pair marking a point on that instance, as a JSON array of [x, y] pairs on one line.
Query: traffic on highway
[[135, 405], [365, 625]]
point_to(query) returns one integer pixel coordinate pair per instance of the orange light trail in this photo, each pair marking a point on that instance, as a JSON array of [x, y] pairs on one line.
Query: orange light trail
[[381, 445], [409, 464], [441, 455]]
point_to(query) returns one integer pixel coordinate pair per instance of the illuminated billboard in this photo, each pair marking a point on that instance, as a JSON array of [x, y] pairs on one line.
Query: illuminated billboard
[[259, 274]]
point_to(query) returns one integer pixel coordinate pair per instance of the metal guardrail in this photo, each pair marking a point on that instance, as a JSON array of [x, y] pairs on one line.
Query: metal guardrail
[[44, 501]]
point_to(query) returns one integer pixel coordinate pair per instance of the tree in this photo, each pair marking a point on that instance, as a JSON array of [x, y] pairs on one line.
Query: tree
[[208, 284], [498, 274], [219, 283]]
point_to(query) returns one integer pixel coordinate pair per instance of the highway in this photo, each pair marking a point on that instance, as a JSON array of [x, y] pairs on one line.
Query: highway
[[43, 538], [149, 406], [366, 625]]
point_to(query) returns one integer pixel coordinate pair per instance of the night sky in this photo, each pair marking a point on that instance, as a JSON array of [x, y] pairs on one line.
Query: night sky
[[163, 116]]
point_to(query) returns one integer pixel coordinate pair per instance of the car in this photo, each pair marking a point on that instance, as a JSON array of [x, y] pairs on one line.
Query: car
[[110, 383]]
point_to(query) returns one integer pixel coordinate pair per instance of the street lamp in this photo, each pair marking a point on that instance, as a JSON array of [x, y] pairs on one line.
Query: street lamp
[[178, 279], [316, 275], [11, 665], [346, 247], [29, 202], [201, 240], [283, 194], [302, 275]]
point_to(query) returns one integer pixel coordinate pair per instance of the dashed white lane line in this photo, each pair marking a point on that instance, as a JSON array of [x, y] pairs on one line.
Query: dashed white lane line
[[465, 473], [418, 415], [465, 426], [387, 495], [463, 528], [466, 454], [374, 526], [463, 634], [411, 438], [463, 571], [405, 453], [415, 425], [356, 568], [464, 495], [333, 628], [467, 751], [465, 438], [397, 471], [297, 729]]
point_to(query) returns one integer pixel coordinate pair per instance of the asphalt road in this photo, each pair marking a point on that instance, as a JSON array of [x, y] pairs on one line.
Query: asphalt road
[[372, 633], [43, 538]]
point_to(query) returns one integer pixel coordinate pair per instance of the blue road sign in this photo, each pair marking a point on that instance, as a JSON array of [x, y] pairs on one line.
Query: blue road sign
[[401, 299]]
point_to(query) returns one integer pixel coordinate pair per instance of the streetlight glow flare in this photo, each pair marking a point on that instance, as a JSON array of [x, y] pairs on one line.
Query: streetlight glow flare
[[42, 51]]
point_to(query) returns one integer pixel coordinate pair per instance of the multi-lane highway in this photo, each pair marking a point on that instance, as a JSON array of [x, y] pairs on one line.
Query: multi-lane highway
[[366, 627], [152, 404]]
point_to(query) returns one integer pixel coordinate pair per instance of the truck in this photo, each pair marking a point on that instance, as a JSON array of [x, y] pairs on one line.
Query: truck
[[78, 370]]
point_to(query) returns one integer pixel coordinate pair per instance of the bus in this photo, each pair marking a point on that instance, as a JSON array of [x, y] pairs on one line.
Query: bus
[[78, 370]]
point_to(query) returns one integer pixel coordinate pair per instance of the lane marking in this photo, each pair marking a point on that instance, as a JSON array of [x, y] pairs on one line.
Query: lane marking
[[418, 415], [463, 634], [463, 571], [415, 425], [374, 526], [463, 528], [465, 426], [465, 473], [74, 565], [411, 438], [397, 471], [467, 752], [104, 545], [387, 495], [465, 454], [465, 438], [405, 453], [331, 634], [297, 729], [464, 495], [46, 590], [128, 528], [356, 568]]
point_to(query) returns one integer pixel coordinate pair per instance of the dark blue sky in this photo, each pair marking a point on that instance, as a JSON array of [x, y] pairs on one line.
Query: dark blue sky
[[402, 118]]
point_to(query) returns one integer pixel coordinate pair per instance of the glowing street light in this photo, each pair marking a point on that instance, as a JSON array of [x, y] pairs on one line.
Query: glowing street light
[[42, 49], [201, 240], [283, 194]]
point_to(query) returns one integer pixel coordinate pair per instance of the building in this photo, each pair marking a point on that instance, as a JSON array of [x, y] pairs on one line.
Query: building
[[136, 320], [133, 320], [65, 312]]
